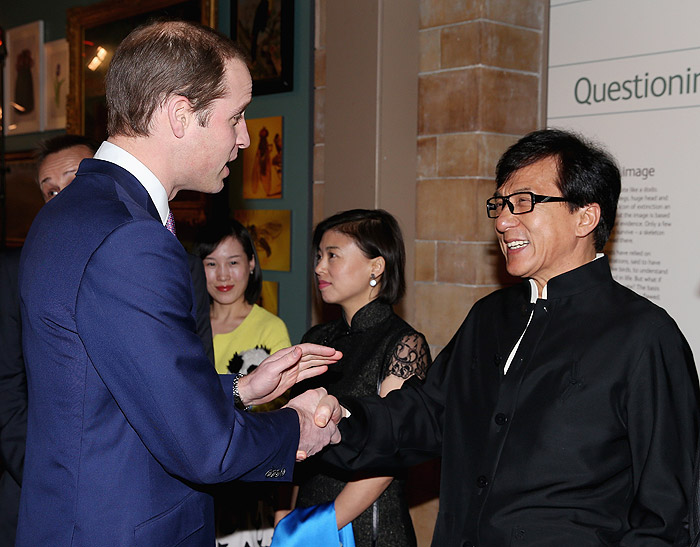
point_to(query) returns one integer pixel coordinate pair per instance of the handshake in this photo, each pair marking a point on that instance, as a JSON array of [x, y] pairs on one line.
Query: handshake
[[319, 413]]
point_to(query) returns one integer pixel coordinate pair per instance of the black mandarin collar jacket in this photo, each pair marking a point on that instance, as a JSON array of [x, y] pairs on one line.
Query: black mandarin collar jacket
[[588, 440]]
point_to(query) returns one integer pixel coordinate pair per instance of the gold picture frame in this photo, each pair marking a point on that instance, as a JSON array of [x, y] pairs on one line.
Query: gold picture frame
[[112, 21], [24, 79], [262, 160]]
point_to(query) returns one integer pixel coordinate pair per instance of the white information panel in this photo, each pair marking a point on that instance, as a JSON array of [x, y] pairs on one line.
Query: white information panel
[[626, 73]]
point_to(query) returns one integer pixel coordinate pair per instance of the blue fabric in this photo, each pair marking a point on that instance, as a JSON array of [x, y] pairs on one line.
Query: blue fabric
[[313, 526], [126, 411]]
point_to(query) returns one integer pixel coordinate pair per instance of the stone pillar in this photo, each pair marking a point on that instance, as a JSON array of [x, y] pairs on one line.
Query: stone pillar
[[480, 88]]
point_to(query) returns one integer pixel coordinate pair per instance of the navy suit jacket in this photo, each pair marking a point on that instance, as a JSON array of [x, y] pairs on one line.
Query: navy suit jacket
[[126, 417]]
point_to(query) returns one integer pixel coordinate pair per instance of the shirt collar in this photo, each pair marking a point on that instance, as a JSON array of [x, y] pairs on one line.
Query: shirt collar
[[114, 154], [533, 286]]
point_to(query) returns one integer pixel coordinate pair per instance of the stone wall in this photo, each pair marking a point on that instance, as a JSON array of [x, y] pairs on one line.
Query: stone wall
[[480, 88]]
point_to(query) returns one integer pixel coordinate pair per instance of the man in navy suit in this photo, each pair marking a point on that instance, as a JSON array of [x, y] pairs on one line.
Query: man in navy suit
[[58, 159], [127, 418]]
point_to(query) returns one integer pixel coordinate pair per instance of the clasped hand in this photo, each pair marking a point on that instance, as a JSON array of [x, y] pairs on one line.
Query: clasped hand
[[319, 414]]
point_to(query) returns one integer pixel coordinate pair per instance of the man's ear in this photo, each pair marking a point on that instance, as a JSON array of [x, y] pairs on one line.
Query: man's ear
[[180, 114], [588, 219]]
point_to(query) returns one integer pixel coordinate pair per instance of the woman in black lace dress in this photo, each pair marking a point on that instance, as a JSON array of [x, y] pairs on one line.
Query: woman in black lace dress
[[360, 266]]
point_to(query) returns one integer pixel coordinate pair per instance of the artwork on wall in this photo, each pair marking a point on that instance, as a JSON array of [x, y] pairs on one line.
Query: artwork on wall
[[23, 82], [271, 232], [262, 160], [22, 194], [94, 32], [264, 29], [55, 84], [269, 296]]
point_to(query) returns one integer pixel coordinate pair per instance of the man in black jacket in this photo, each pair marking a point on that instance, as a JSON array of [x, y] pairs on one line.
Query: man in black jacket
[[565, 409]]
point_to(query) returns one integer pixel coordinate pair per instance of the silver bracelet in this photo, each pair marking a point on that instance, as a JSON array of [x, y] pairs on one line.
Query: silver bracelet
[[236, 395]]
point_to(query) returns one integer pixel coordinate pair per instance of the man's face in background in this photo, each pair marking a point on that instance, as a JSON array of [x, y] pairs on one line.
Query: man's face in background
[[58, 169]]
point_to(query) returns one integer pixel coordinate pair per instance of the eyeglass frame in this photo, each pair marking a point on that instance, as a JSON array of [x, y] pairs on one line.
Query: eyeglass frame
[[536, 198]]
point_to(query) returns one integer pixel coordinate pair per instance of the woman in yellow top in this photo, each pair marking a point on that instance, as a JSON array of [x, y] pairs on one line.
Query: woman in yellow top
[[244, 333]]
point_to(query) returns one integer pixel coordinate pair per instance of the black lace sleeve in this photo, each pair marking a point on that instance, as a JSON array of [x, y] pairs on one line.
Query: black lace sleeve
[[411, 357]]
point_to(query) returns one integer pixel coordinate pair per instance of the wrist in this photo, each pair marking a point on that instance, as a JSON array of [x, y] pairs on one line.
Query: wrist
[[239, 399]]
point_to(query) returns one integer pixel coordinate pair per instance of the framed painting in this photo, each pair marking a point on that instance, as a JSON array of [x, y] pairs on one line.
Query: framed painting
[[265, 31], [55, 84], [23, 79], [23, 198], [94, 32], [269, 297], [271, 231], [262, 160]]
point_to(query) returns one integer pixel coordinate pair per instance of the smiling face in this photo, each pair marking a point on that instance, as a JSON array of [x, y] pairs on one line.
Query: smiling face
[[551, 239], [343, 273], [58, 170], [227, 269], [213, 146]]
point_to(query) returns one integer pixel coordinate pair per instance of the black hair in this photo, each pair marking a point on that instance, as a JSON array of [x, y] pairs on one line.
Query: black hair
[[60, 143], [214, 233], [376, 233], [586, 173]]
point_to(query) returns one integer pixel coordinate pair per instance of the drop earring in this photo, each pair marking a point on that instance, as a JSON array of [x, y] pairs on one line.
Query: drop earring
[[372, 282]]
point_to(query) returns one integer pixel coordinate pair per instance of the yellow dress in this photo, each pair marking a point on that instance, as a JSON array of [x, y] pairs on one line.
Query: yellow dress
[[235, 351]]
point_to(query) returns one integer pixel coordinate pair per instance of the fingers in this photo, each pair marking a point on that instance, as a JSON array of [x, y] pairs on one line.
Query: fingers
[[338, 413], [335, 438], [328, 410], [315, 349], [307, 373], [288, 356], [315, 359], [282, 359], [314, 365], [318, 413], [322, 416]]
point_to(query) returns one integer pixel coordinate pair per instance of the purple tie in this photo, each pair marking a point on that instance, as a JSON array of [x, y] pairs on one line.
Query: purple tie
[[170, 223]]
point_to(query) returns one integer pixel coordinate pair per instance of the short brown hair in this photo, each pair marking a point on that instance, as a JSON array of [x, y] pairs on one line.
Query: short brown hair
[[159, 60]]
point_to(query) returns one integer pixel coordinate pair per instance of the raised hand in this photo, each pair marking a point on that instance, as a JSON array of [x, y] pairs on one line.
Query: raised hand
[[283, 369], [319, 414]]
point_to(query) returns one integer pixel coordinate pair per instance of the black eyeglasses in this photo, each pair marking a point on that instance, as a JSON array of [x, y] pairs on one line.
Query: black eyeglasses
[[518, 203]]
